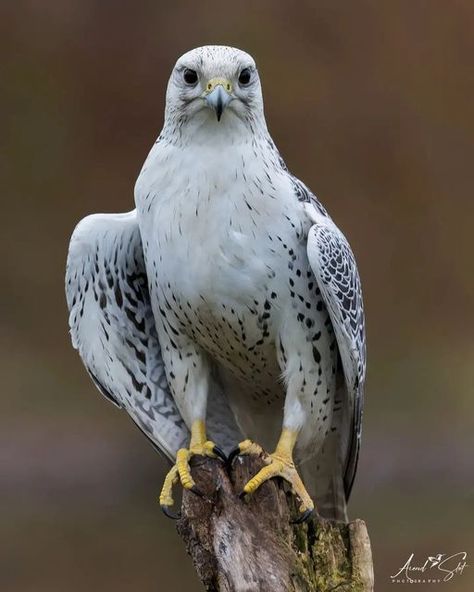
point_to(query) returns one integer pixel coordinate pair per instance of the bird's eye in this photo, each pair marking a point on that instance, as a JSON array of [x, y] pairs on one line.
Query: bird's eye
[[244, 76], [190, 76]]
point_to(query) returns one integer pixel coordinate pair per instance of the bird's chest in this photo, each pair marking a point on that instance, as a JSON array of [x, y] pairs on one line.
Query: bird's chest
[[218, 245], [219, 253]]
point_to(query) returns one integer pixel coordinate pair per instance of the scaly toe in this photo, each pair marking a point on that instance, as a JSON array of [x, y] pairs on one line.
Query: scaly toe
[[181, 473], [274, 468], [244, 448], [277, 465], [182, 464]]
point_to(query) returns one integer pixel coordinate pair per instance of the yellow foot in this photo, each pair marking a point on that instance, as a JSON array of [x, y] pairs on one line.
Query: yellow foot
[[181, 472], [278, 464]]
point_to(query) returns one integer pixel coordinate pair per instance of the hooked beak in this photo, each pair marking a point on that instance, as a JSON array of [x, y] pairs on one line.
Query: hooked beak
[[218, 95]]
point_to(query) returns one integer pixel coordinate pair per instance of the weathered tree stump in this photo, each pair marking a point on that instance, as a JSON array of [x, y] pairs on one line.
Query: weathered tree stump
[[250, 545]]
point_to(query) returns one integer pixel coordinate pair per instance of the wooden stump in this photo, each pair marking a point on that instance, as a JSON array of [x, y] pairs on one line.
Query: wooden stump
[[250, 545]]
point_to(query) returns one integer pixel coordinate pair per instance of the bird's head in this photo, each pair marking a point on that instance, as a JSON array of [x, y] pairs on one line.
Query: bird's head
[[214, 86]]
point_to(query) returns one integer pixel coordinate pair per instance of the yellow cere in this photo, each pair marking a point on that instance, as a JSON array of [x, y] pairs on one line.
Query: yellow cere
[[226, 84]]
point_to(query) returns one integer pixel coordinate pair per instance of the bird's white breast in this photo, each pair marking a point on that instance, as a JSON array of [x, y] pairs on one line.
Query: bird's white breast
[[206, 217]]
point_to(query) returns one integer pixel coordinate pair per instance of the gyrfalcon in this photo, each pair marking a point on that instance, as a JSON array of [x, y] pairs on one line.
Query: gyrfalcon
[[227, 306]]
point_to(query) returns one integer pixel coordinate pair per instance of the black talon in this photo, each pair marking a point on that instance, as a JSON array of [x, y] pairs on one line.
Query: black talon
[[167, 512], [242, 494], [220, 453], [232, 456], [197, 491], [303, 518]]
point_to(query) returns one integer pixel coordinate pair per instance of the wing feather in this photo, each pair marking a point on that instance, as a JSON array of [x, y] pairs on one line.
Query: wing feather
[[336, 272], [113, 328]]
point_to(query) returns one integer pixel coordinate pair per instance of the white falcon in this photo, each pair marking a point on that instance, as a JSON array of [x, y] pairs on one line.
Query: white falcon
[[227, 306]]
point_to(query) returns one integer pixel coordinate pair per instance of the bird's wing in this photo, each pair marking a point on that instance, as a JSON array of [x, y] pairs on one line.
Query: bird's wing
[[335, 269], [113, 328]]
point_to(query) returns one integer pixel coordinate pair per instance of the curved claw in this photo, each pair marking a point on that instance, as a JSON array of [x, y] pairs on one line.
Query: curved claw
[[303, 517], [168, 513], [196, 491], [234, 453], [220, 453]]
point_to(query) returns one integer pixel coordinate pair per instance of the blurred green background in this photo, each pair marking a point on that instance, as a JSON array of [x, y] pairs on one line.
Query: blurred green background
[[371, 104]]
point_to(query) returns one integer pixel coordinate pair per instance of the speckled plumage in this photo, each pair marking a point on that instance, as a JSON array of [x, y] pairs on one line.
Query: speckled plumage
[[228, 293]]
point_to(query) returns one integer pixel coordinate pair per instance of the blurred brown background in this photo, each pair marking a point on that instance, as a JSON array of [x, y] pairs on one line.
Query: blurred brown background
[[371, 104]]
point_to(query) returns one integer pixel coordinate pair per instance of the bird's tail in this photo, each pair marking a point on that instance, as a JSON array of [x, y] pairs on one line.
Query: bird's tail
[[323, 476]]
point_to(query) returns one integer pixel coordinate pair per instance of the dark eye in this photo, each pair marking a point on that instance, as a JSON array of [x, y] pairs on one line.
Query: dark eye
[[190, 76], [244, 77]]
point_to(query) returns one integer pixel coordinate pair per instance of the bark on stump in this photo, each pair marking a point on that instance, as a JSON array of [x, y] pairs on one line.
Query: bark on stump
[[250, 545]]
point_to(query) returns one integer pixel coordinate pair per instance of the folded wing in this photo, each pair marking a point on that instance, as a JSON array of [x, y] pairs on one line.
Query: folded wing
[[335, 269], [113, 328]]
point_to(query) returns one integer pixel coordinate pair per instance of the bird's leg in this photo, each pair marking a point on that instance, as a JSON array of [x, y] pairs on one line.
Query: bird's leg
[[188, 377], [180, 472], [278, 464]]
